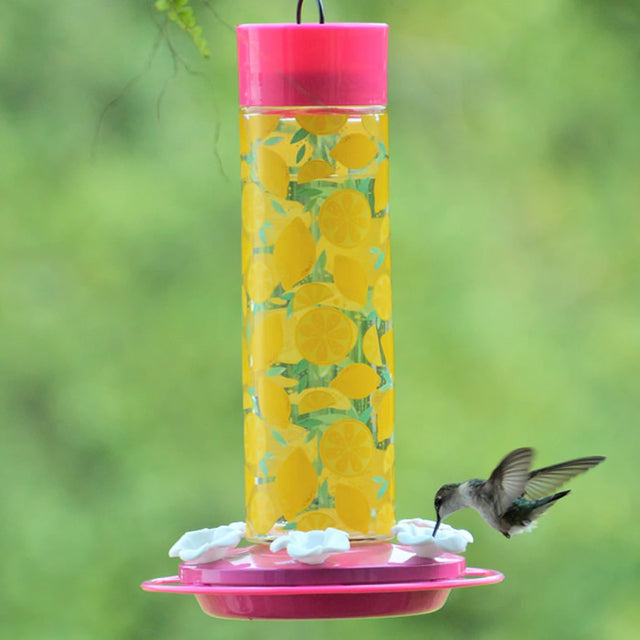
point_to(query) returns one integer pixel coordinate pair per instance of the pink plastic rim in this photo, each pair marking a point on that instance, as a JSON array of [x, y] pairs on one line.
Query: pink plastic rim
[[311, 601], [292, 65], [472, 577]]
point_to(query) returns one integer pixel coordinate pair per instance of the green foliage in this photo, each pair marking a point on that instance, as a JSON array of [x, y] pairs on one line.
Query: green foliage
[[180, 12]]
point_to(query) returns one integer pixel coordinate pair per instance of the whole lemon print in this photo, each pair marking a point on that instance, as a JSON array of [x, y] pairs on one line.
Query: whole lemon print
[[262, 512], [322, 124], [356, 381], [354, 151], [294, 253], [295, 484]]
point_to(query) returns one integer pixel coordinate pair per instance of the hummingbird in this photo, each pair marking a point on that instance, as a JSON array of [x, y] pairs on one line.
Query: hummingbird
[[513, 496]]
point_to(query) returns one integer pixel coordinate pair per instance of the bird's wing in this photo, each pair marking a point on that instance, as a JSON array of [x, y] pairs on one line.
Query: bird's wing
[[509, 479], [544, 481]]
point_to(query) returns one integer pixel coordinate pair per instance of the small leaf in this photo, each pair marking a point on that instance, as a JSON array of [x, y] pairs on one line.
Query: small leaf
[[310, 436], [364, 186], [263, 466], [251, 391], [290, 525], [323, 493], [275, 371], [300, 366], [273, 141], [269, 456], [278, 438], [375, 250], [322, 260], [365, 415], [310, 423], [308, 193], [379, 261], [278, 207], [301, 151], [378, 479], [383, 489], [300, 134], [263, 234]]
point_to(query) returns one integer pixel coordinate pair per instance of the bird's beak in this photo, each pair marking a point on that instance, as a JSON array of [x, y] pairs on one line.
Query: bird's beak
[[438, 521]]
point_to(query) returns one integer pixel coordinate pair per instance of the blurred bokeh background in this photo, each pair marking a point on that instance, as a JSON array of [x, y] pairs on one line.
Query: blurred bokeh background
[[515, 140]]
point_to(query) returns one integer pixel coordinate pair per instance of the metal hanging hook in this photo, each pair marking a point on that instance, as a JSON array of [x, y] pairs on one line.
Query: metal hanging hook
[[320, 12]]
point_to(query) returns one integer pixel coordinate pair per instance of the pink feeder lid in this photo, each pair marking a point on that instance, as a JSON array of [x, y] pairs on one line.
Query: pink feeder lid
[[291, 65]]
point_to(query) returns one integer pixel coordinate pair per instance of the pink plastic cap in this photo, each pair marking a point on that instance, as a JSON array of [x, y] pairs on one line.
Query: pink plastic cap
[[291, 65]]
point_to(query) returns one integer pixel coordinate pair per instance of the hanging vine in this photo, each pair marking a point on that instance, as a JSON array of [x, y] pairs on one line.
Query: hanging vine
[[181, 12]]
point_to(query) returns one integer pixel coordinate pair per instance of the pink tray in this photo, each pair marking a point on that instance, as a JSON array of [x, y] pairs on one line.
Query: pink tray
[[367, 581]]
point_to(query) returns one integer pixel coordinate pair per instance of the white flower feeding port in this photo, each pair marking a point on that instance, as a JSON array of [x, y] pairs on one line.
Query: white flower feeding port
[[418, 535], [317, 344], [208, 545], [312, 547]]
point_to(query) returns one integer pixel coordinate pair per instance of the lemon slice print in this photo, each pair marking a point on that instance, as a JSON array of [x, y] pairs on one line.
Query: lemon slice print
[[371, 346], [314, 170], [311, 294], [345, 218], [319, 398], [314, 520], [324, 335], [346, 447]]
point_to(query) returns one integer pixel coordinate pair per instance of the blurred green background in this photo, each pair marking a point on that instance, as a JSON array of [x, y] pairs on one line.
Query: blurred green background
[[515, 139]]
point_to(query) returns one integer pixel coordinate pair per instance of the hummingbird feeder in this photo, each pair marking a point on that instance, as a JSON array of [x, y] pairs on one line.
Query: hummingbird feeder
[[317, 348]]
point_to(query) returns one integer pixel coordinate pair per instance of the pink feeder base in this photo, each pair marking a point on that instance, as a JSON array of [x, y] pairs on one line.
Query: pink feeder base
[[368, 581]]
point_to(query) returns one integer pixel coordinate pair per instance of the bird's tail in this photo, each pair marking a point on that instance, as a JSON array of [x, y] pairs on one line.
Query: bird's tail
[[545, 503]]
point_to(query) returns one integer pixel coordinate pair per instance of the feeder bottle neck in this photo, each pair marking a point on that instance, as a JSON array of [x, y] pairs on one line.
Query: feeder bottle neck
[[317, 65]]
